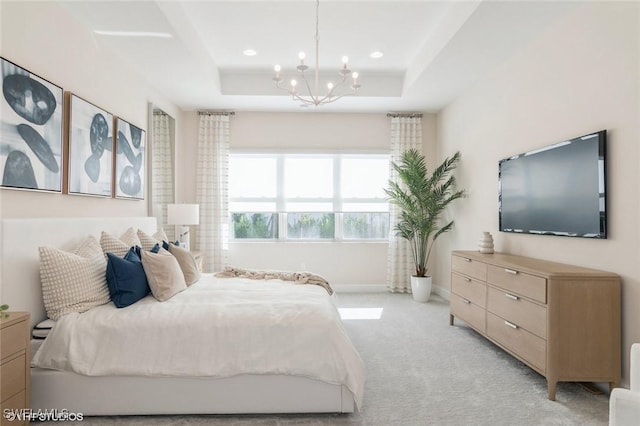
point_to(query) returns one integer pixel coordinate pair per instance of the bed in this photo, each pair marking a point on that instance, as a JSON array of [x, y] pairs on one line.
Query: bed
[[265, 387]]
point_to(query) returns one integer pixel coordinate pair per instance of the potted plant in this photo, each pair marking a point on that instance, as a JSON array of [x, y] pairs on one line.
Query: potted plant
[[421, 199]]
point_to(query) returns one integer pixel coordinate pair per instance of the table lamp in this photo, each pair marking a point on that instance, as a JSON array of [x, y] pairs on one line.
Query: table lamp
[[182, 215]]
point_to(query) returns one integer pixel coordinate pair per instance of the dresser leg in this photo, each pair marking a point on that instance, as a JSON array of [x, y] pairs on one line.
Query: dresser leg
[[551, 387], [450, 319]]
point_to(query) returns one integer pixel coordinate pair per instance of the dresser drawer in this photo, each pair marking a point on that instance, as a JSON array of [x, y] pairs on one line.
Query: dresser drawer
[[472, 314], [16, 402], [13, 374], [518, 340], [13, 339], [517, 282], [469, 288], [469, 267], [518, 311]]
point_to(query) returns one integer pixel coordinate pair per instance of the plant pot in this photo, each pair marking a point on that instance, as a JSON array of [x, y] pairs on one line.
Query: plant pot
[[421, 288]]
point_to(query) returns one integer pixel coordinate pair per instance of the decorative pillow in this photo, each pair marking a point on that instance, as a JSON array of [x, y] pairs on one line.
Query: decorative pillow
[[72, 282], [126, 279], [42, 329], [119, 247], [187, 263], [163, 273], [147, 241], [89, 248], [138, 250]]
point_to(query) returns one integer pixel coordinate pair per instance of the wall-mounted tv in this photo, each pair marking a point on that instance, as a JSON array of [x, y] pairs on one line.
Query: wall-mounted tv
[[556, 190]]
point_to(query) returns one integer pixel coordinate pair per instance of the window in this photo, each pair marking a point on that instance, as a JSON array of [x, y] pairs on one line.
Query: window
[[309, 196]]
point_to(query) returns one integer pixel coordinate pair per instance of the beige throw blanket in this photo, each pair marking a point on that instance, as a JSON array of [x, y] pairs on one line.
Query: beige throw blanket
[[296, 277]]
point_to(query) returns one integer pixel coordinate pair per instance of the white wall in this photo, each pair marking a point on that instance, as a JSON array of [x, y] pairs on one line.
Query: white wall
[[342, 263], [580, 76], [43, 38]]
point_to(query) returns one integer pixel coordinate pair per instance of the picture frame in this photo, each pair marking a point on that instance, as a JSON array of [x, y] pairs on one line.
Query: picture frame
[[130, 160], [31, 130], [90, 170]]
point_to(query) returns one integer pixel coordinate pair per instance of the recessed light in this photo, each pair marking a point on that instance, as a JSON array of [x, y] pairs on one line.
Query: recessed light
[[133, 33], [376, 54], [250, 52]]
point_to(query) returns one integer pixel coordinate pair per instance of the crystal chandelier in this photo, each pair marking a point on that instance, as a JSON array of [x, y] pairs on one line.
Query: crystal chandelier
[[313, 97]]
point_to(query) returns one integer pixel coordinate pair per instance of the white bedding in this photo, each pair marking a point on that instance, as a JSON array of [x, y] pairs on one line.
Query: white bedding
[[218, 327]]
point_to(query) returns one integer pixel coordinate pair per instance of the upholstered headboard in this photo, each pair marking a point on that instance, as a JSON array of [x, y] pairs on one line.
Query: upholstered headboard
[[20, 271]]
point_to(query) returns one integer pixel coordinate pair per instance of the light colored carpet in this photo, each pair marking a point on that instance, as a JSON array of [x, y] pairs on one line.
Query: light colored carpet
[[421, 371]]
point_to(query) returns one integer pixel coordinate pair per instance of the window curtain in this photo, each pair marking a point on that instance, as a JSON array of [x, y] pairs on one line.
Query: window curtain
[[406, 133], [162, 185], [212, 190]]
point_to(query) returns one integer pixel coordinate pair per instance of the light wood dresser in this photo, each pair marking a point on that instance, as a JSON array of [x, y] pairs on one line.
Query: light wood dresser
[[561, 320], [15, 361]]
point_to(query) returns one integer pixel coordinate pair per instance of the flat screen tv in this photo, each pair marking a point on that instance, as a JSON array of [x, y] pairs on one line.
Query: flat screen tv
[[556, 190]]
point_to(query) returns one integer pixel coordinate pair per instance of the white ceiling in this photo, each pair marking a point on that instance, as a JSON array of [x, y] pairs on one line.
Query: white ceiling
[[433, 50]]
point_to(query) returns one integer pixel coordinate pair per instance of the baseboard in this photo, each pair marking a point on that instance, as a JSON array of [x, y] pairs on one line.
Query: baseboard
[[382, 288], [442, 292], [360, 288]]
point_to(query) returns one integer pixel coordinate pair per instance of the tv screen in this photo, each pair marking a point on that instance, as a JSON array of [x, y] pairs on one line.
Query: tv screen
[[556, 190]]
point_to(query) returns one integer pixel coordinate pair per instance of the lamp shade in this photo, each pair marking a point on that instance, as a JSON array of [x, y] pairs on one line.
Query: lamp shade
[[183, 214]]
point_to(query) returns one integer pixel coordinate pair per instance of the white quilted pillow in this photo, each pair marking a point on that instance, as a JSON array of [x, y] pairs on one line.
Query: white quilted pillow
[[73, 282], [121, 246], [148, 241]]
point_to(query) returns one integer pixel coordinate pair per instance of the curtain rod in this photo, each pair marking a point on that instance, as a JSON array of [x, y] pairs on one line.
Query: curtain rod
[[216, 113], [158, 112], [404, 114]]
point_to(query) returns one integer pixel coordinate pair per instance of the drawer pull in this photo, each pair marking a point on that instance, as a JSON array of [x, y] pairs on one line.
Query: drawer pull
[[466, 301], [510, 324], [510, 271], [467, 279], [466, 259], [511, 296]]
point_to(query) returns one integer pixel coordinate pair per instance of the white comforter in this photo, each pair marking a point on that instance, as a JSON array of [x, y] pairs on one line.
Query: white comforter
[[218, 327]]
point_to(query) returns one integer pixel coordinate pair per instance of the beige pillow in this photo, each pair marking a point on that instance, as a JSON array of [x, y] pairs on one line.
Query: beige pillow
[[89, 248], [148, 241], [163, 273], [121, 246], [73, 282], [187, 263]]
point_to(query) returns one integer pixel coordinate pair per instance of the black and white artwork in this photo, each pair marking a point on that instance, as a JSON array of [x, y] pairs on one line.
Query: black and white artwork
[[90, 149], [130, 171], [30, 130]]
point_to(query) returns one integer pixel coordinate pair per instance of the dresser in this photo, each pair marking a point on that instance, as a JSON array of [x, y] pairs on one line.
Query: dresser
[[14, 367], [561, 320]]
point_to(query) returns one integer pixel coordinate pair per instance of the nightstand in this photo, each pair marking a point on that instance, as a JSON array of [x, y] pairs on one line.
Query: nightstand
[[14, 364]]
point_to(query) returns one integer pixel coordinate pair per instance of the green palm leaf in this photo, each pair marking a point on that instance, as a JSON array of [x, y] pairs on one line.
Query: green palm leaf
[[421, 198]]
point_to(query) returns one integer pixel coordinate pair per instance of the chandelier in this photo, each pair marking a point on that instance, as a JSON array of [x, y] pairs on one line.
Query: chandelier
[[314, 97]]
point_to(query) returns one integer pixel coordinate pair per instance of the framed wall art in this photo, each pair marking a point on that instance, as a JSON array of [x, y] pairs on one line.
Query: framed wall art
[[90, 149], [130, 159], [31, 150]]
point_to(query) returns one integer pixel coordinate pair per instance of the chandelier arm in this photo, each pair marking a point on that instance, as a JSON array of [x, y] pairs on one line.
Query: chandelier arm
[[304, 100], [306, 83], [329, 99]]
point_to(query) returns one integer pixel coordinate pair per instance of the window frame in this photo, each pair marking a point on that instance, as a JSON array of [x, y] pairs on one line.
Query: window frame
[[337, 201]]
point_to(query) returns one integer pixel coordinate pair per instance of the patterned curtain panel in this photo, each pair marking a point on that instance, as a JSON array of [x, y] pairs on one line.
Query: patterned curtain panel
[[212, 189], [162, 185], [406, 133]]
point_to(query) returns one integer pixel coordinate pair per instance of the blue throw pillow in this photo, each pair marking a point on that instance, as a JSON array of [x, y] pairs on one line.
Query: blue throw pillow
[[138, 249], [126, 279]]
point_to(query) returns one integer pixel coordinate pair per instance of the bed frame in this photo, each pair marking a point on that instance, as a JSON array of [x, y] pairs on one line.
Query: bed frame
[[119, 395]]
